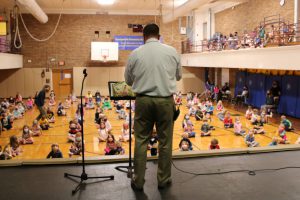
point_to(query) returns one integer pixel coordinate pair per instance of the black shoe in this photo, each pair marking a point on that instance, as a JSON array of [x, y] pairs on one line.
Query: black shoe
[[169, 183], [135, 188]]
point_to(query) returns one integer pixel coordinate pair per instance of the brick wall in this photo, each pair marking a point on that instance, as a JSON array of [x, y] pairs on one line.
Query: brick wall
[[248, 15], [72, 41]]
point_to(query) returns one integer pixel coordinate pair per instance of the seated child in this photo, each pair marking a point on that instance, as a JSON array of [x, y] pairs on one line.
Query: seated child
[[90, 104], [111, 147], [76, 147], [107, 124], [228, 121], [120, 150], [189, 129], [68, 102], [14, 144], [74, 128], [5, 153], [122, 114], [153, 139], [6, 122], [29, 103], [52, 102], [221, 115], [287, 123], [26, 136], [250, 139], [103, 132], [258, 127], [185, 143], [106, 104], [124, 137], [220, 106], [249, 113], [192, 111], [98, 115], [44, 124], [209, 109], [256, 119], [198, 115], [185, 121], [214, 144], [61, 110], [78, 114], [98, 97], [17, 114], [282, 134], [50, 115], [238, 127], [36, 129], [205, 129], [55, 152]]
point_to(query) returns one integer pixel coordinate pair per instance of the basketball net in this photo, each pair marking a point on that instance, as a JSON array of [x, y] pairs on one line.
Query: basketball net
[[104, 58]]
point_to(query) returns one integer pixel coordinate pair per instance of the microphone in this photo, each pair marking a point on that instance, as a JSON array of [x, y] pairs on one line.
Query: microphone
[[84, 72]]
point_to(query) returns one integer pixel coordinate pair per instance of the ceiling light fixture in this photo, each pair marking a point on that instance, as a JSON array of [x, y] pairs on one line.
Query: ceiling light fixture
[[106, 2]]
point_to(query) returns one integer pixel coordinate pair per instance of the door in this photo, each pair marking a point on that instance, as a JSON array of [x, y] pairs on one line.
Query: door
[[62, 82]]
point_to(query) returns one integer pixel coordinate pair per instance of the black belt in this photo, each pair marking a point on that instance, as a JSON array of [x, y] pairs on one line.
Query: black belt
[[144, 95]]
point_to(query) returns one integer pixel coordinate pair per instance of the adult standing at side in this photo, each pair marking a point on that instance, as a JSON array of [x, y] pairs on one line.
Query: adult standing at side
[[40, 101], [152, 71]]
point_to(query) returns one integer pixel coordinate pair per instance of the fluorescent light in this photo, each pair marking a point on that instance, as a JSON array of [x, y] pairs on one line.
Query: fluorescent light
[[179, 2], [106, 2]]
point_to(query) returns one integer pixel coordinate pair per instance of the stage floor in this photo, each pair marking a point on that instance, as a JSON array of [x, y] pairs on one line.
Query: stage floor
[[48, 182]]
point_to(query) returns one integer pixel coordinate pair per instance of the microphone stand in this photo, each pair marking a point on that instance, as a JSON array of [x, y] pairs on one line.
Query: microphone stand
[[84, 176]]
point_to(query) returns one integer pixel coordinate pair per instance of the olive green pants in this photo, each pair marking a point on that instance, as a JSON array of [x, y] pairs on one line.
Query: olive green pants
[[150, 111]]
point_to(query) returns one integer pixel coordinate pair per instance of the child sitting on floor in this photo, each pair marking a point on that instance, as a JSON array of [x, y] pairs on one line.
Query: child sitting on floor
[[185, 143], [198, 115], [185, 120], [26, 136], [50, 115], [120, 150], [98, 115], [106, 104], [68, 102], [111, 147], [282, 134], [61, 110], [189, 129], [76, 147], [228, 121], [256, 119], [122, 114], [90, 104], [249, 113], [274, 142], [36, 129], [220, 106], [73, 129], [192, 111], [153, 139], [238, 127], [107, 124], [55, 152], [6, 122], [14, 144], [250, 139], [103, 132], [124, 137], [205, 129], [5, 153], [258, 127], [17, 114], [287, 123], [44, 124], [214, 144], [29, 103]]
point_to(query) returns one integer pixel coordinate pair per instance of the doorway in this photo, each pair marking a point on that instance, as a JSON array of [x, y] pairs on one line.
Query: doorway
[[62, 82]]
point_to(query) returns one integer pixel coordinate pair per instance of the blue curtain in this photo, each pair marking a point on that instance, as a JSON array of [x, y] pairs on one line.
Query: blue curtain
[[239, 82], [256, 84], [289, 95]]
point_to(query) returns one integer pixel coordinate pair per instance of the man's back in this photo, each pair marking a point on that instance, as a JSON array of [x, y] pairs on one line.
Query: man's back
[[154, 69]]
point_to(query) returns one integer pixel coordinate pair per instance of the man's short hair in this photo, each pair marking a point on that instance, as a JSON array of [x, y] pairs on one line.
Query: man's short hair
[[151, 30]]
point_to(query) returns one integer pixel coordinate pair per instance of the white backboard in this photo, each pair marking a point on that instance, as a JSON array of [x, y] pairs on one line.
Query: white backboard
[[110, 50]]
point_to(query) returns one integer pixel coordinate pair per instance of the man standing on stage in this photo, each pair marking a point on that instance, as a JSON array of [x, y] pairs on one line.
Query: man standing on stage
[[152, 71], [40, 101]]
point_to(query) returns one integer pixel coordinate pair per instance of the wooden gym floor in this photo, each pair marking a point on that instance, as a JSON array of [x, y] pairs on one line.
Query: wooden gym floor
[[58, 134]]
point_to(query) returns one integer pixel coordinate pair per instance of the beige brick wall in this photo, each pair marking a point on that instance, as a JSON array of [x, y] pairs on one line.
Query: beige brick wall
[[72, 41], [248, 15]]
